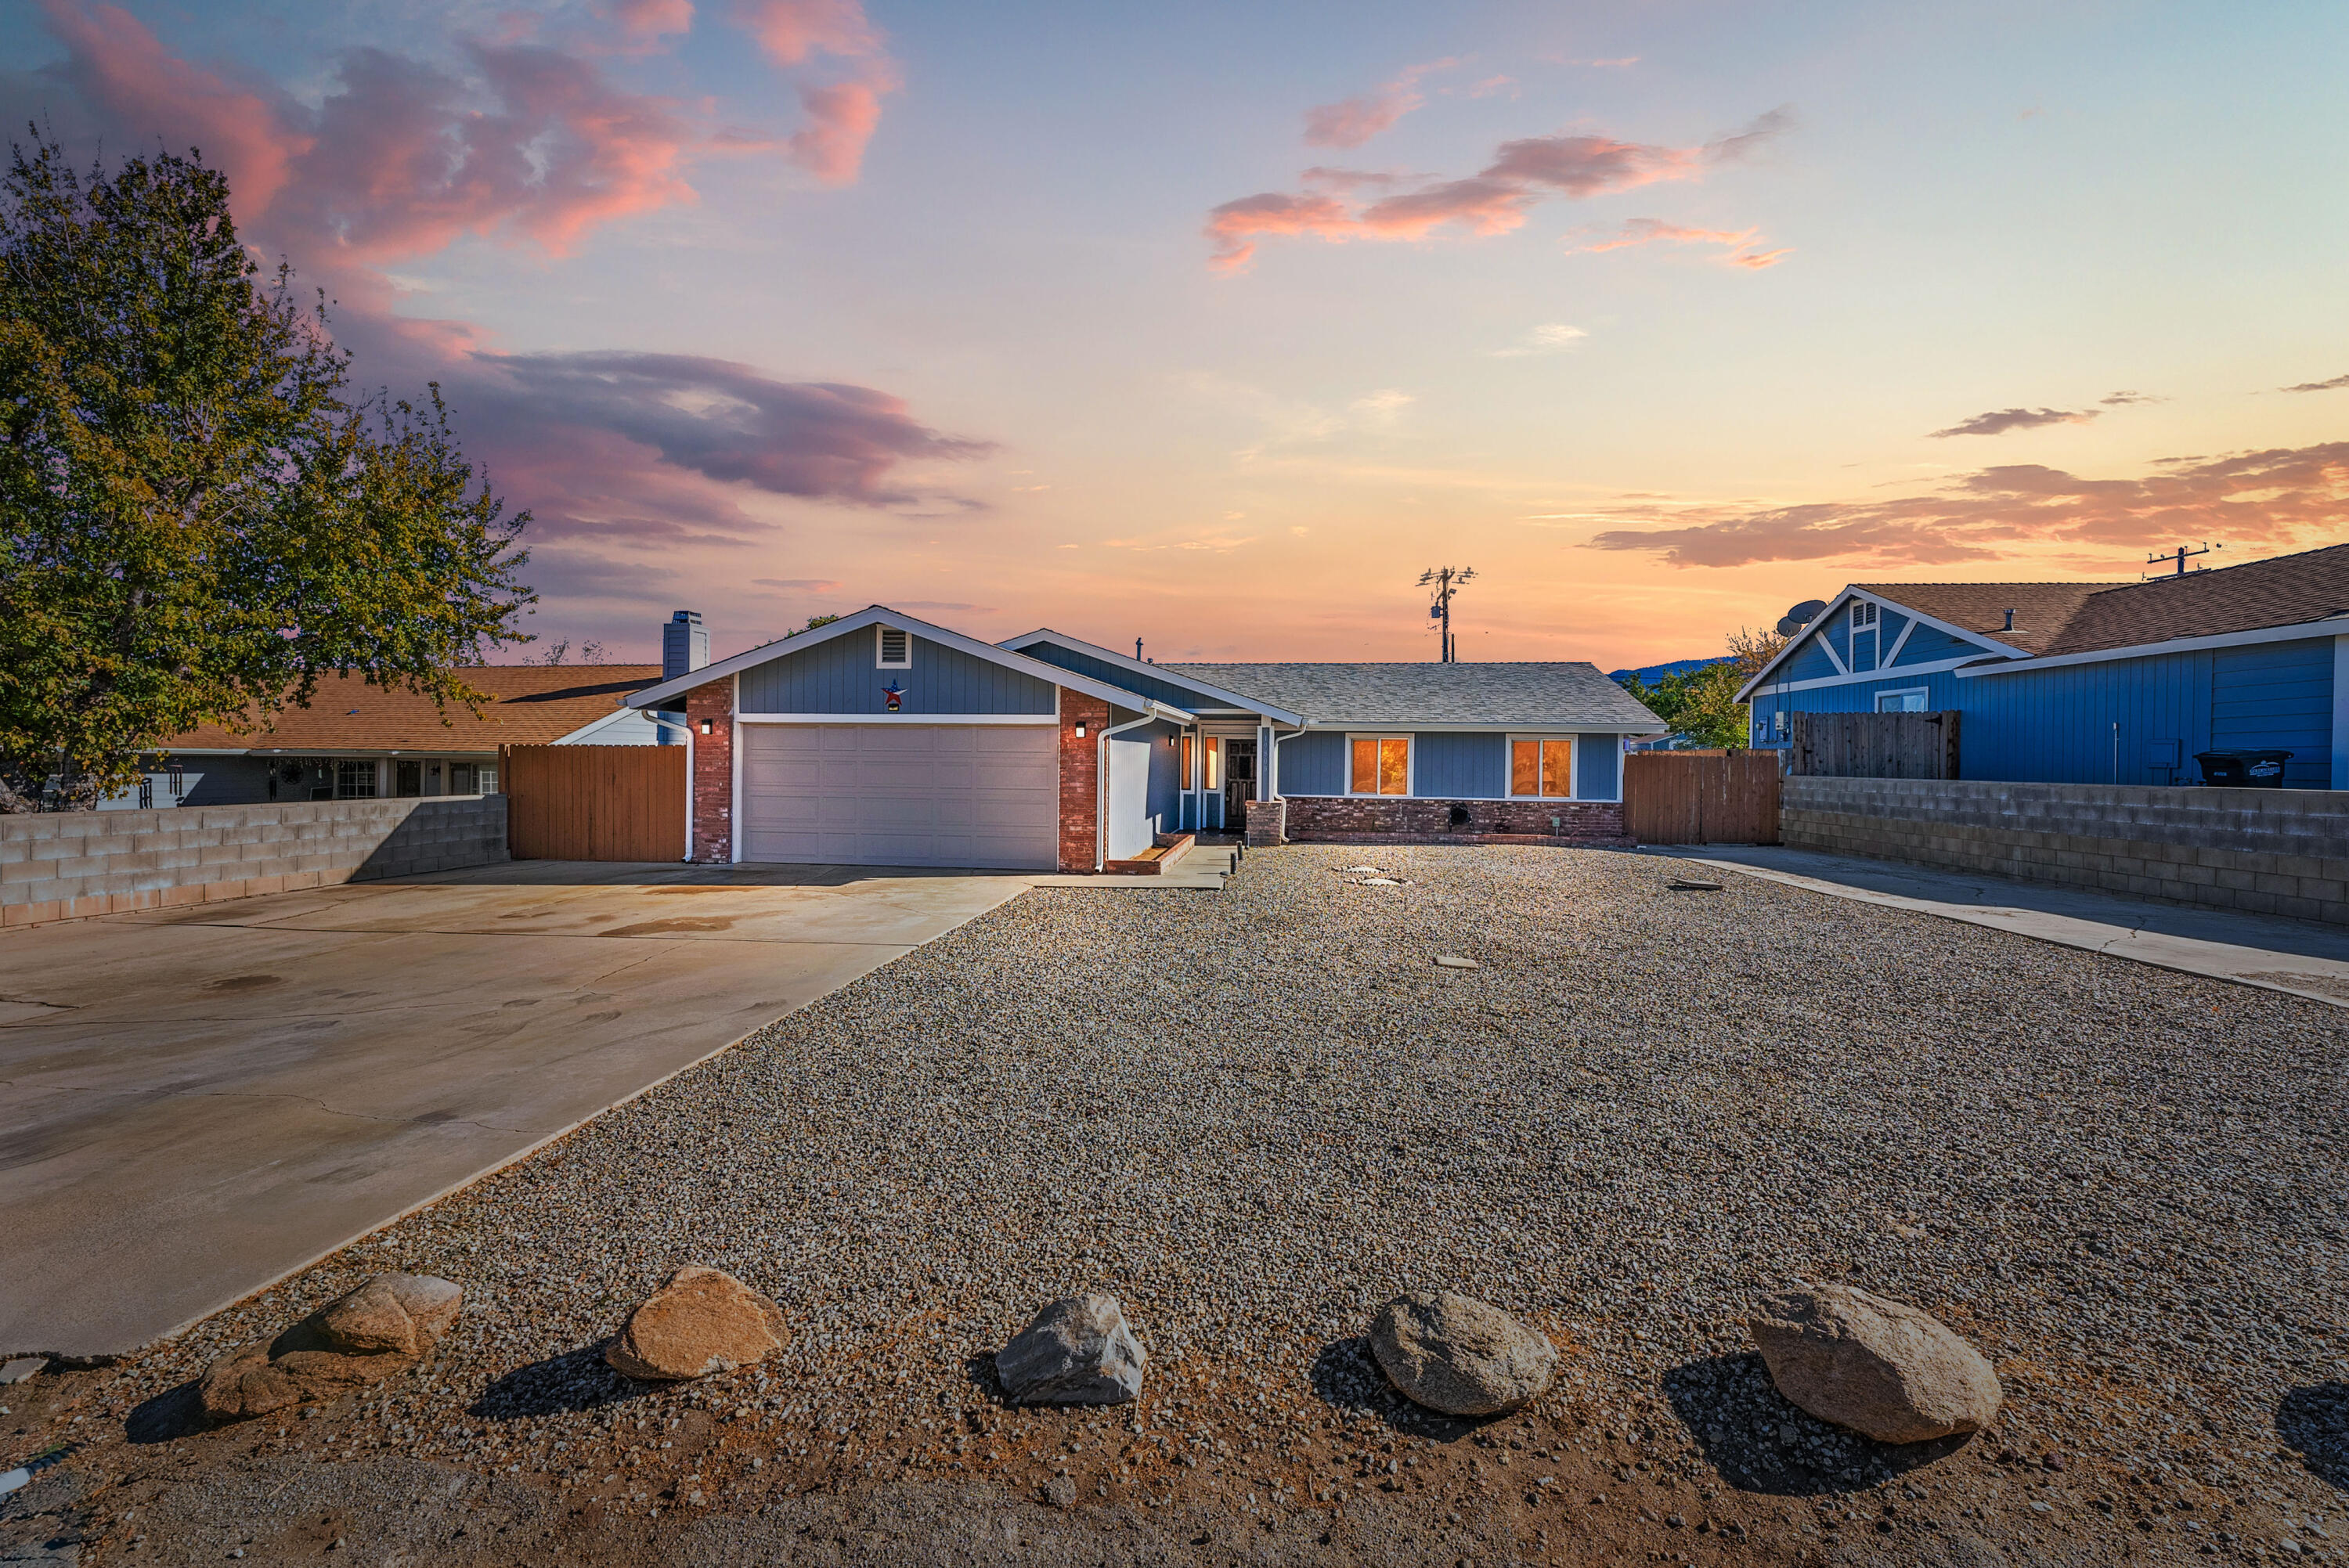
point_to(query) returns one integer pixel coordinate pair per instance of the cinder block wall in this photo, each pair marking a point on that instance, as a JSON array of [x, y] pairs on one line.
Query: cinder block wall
[[2269, 851], [65, 865]]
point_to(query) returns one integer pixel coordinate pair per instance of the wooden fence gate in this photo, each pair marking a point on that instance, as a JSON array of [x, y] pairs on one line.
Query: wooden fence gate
[[1701, 797], [595, 802], [1876, 745]]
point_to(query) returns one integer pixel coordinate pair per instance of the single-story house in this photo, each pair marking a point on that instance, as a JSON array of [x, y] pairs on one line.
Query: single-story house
[[356, 741], [2091, 681], [885, 739]]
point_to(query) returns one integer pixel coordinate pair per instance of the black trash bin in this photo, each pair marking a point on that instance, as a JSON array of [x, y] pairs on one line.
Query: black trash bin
[[2243, 769]]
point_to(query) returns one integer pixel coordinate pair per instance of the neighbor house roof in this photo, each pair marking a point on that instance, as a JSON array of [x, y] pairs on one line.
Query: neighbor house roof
[[531, 705], [2041, 610], [1536, 695], [2055, 618]]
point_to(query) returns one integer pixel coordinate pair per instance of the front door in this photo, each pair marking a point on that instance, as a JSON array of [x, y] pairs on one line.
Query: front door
[[1240, 782]]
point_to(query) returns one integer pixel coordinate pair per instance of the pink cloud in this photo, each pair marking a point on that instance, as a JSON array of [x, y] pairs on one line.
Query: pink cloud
[[123, 71], [1655, 230], [1999, 421], [842, 113], [1353, 121], [2280, 496], [1493, 201], [649, 19]]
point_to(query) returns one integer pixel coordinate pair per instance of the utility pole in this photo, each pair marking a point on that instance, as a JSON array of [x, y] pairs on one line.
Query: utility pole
[[1446, 581], [2176, 560]]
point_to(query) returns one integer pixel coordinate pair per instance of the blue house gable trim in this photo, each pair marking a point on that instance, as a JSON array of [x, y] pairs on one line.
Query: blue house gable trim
[[845, 677], [1905, 638]]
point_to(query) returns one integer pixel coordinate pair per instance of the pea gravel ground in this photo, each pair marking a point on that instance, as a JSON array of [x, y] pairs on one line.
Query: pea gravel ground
[[1254, 1115]]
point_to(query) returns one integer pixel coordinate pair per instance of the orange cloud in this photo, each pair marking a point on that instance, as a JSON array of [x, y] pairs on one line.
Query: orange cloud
[[842, 114], [1493, 201], [2279, 495], [123, 70], [1655, 230], [1353, 121]]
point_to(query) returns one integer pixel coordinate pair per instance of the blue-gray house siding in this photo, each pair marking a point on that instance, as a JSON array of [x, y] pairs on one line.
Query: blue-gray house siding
[[1446, 765], [841, 675], [2122, 720], [1156, 686]]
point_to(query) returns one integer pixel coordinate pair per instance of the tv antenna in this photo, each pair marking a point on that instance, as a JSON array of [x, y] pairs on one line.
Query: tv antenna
[[2177, 560], [1447, 580]]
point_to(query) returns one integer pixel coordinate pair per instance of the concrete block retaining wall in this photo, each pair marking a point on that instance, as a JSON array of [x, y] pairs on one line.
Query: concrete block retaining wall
[[65, 865], [2268, 851]]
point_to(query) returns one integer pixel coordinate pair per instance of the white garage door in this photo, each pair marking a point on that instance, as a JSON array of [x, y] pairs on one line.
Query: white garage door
[[980, 795]]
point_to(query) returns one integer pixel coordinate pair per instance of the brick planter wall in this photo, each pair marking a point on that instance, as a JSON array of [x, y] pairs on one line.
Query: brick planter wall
[[67, 865], [1365, 818], [2269, 851], [1267, 823], [713, 771], [1081, 780]]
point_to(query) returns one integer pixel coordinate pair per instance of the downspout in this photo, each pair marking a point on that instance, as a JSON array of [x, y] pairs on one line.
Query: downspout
[[1100, 784], [687, 730]]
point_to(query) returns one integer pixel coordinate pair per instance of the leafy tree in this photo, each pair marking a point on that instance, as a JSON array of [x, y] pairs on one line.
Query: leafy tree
[[198, 519], [1702, 703], [813, 622]]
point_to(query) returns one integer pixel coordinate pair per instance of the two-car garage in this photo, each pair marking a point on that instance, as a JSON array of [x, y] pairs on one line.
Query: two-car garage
[[984, 796]]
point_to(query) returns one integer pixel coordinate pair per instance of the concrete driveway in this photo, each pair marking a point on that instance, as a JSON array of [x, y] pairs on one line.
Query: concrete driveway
[[194, 1103]]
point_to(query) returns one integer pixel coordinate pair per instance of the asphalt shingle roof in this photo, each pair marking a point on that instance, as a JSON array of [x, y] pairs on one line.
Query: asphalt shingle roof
[[1536, 695], [2088, 617], [530, 704]]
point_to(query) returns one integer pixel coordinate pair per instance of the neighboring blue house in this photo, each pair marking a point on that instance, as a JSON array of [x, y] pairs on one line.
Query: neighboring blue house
[[2091, 681], [885, 739]]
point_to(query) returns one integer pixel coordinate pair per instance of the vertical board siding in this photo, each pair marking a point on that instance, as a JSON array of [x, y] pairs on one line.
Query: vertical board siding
[[1702, 797], [1313, 763], [1460, 767], [1810, 663], [1598, 767], [842, 676], [1928, 644], [595, 802], [1163, 689], [2277, 695]]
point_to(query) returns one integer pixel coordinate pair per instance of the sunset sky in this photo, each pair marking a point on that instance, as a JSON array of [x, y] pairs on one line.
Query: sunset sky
[[1215, 324]]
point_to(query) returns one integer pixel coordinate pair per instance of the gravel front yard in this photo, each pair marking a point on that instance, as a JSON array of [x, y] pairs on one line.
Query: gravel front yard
[[1256, 1115]]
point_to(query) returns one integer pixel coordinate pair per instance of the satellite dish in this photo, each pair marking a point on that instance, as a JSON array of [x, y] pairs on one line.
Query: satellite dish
[[1800, 616]]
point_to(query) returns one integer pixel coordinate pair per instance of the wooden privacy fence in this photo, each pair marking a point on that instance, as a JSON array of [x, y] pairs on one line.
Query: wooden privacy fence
[[1701, 797], [595, 802], [1875, 745]]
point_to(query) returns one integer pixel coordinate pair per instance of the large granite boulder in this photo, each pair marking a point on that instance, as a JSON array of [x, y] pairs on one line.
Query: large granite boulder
[[388, 1324], [1460, 1355], [1077, 1351], [701, 1321], [1881, 1368]]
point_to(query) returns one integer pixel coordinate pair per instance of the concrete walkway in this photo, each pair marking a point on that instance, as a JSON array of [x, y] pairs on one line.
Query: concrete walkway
[[2291, 955], [195, 1103]]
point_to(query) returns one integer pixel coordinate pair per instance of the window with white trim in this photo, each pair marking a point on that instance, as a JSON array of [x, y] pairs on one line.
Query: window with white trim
[[1541, 768], [1865, 633], [893, 648], [1379, 764], [1910, 701]]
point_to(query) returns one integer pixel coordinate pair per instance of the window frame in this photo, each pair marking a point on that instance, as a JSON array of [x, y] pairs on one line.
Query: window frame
[[1509, 764], [1924, 695], [1410, 764], [880, 660]]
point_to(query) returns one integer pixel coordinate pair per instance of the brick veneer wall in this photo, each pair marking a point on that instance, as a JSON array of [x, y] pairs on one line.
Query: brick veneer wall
[[2269, 852], [1336, 817], [713, 771], [1081, 780], [66, 865]]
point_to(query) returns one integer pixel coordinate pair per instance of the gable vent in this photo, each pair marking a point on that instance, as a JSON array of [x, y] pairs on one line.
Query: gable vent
[[897, 648]]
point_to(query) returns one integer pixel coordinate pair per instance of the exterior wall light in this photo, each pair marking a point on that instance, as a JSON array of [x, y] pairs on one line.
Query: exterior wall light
[[1080, 729], [705, 727]]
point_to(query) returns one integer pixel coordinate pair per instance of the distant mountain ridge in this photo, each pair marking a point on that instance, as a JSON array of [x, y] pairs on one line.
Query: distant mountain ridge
[[1651, 674]]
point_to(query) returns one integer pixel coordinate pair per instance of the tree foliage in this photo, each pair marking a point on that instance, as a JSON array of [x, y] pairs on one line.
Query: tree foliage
[[198, 518], [1702, 703]]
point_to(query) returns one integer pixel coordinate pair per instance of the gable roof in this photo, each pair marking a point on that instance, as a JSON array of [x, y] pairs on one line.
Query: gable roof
[[2041, 610], [1152, 672], [1534, 696], [881, 615], [2281, 591], [531, 705]]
